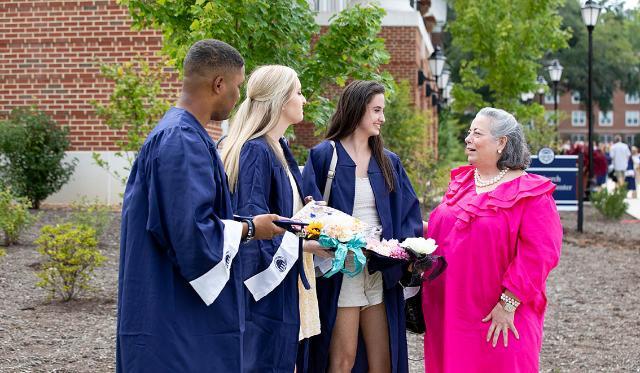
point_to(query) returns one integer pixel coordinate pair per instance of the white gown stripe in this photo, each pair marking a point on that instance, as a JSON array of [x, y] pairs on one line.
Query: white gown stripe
[[283, 260], [209, 285]]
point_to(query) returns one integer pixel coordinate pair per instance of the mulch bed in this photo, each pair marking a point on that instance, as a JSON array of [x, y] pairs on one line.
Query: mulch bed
[[591, 324]]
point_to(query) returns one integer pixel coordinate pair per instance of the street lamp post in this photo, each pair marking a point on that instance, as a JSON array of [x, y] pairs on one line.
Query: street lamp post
[[436, 64], [541, 83], [590, 13], [555, 73]]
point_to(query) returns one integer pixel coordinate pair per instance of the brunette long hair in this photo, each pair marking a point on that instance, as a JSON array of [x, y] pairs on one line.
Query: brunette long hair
[[352, 106]]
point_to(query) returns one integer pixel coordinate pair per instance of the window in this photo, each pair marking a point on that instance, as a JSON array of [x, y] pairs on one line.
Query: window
[[575, 97], [632, 118], [605, 138], [578, 118], [632, 98], [630, 139], [605, 119], [575, 137], [548, 98]]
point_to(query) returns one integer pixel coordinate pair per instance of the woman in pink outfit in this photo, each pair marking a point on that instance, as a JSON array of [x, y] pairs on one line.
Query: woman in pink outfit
[[500, 232]]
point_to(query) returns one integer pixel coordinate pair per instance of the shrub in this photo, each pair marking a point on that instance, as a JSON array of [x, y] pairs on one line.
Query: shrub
[[611, 205], [71, 256], [91, 214], [14, 216], [33, 147]]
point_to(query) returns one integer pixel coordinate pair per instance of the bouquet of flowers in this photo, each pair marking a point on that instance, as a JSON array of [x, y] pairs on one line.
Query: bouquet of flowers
[[414, 250], [390, 249], [337, 231]]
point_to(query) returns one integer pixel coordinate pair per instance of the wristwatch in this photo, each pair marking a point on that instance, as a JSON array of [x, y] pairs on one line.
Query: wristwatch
[[510, 304], [251, 229]]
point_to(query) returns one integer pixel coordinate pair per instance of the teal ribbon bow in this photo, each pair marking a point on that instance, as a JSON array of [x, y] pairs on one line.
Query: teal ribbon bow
[[354, 245]]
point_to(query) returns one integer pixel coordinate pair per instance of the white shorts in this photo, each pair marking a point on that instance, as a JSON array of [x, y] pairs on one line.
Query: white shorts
[[362, 290]]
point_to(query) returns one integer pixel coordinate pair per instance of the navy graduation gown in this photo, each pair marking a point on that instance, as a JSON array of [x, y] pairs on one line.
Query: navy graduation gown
[[399, 213], [180, 296], [272, 312]]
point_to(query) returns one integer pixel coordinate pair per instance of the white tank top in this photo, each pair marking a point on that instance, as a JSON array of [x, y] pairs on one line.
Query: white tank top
[[364, 203]]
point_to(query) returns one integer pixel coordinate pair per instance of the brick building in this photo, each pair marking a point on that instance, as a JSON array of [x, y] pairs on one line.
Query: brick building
[[623, 119], [49, 54]]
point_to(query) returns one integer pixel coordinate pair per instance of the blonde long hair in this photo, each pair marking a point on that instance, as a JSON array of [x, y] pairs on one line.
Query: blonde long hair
[[268, 90]]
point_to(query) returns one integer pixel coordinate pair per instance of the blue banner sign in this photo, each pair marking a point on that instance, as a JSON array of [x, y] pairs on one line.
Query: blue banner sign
[[563, 171]]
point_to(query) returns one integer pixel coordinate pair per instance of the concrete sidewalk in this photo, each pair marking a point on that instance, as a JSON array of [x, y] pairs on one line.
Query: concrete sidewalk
[[634, 207]]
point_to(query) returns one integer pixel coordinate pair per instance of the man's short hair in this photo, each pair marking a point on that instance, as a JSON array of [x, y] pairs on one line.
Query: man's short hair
[[617, 138], [211, 55]]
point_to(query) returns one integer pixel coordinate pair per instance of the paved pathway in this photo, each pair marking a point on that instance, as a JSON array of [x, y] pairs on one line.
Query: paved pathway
[[634, 207]]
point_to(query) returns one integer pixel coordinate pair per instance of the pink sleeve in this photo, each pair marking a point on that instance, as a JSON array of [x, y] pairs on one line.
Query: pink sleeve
[[538, 249]]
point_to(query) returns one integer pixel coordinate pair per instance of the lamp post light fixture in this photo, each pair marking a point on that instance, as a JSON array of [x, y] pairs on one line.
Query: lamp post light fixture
[[446, 94], [541, 83], [590, 12], [436, 62], [444, 79], [436, 65], [555, 73], [526, 97]]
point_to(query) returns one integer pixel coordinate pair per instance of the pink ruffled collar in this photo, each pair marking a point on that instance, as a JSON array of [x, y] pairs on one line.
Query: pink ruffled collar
[[505, 196]]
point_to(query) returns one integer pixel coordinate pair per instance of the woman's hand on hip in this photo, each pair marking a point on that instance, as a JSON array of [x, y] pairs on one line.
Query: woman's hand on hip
[[501, 322]]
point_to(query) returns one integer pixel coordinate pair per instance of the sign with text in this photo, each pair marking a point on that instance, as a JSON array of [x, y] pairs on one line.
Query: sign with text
[[563, 171]]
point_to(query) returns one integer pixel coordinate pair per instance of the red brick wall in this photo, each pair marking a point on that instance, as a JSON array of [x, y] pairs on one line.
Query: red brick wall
[[404, 44], [49, 52]]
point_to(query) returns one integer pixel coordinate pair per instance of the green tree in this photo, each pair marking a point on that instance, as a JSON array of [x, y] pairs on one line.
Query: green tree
[[404, 133], [541, 133], [450, 138], [616, 48], [136, 104], [500, 44], [276, 32]]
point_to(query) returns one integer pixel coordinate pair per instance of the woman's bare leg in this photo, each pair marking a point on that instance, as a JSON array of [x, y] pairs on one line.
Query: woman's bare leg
[[375, 331], [344, 340]]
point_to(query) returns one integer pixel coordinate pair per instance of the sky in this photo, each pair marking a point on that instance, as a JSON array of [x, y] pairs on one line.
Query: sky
[[630, 4]]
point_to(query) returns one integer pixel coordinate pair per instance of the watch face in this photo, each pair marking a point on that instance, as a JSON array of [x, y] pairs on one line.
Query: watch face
[[509, 307]]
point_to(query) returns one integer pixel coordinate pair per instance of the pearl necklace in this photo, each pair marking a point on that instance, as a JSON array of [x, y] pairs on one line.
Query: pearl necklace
[[481, 184]]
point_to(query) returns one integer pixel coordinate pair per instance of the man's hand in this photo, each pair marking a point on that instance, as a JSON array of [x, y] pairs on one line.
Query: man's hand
[[265, 229]]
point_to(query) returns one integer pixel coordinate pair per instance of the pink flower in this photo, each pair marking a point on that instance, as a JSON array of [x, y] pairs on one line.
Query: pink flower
[[390, 248]]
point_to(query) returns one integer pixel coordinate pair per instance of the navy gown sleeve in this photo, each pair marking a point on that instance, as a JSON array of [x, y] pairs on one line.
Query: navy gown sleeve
[[313, 176], [182, 217], [411, 225], [252, 197]]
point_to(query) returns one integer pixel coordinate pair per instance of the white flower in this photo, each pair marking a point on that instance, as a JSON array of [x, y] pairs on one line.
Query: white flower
[[341, 227], [420, 245]]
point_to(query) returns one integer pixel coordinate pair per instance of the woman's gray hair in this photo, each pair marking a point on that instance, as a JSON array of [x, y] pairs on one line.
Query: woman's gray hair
[[515, 154]]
